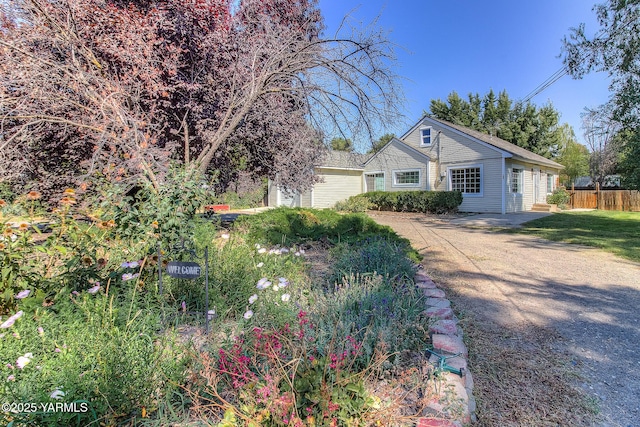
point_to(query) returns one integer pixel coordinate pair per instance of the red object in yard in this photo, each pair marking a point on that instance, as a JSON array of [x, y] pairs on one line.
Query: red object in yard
[[217, 208]]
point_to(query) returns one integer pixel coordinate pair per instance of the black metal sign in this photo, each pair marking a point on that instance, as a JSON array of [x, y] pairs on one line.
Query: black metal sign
[[184, 270]]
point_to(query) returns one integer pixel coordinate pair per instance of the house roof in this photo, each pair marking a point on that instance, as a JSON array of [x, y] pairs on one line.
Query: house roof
[[395, 140], [517, 153], [344, 160]]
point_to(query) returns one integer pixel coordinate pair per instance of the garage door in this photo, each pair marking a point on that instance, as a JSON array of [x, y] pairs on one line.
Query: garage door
[[338, 185]]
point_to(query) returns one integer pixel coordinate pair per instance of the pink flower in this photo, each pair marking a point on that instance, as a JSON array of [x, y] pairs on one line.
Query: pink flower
[[94, 289], [23, 294], [11, 320], [57, 350], [248, 314], [11, 377], [40, 331]]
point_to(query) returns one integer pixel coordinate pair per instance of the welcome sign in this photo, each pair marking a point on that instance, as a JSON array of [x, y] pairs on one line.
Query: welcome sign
[[184, 270]]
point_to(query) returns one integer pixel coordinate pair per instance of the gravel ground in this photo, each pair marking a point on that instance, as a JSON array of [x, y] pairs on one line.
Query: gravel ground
[[589, 298]]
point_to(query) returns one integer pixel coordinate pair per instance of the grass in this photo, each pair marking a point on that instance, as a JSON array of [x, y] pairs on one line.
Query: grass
[[612, 231]]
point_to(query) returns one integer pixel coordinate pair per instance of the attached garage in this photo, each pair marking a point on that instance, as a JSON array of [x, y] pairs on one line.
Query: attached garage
[[338, 184]]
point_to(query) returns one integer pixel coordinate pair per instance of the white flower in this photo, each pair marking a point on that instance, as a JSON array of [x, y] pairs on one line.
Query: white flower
[[284, 251], [260, 265], [23, 294], [211, 314], [57, 394], [253, 298], [257, 245], [285, 297], [24, 360], [95, 289], [274, 252], [297, 253], [129, 276], [225, 236], [263, 283], [262, 250], [301, 251], [248, 314], [11, 320], [276, 287]]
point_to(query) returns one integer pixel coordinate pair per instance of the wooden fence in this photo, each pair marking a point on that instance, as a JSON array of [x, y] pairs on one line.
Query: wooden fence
[[610, 200]]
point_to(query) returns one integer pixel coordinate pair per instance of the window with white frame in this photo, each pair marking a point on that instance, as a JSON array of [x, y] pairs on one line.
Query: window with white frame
[[516, 180], [406, 178], [550, 182], [467, 180], [425, 136]]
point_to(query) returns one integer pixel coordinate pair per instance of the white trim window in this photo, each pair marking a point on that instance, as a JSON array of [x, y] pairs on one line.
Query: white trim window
[[425, 136], [517, 180], [407, 178], [550, 182], [466, 179]]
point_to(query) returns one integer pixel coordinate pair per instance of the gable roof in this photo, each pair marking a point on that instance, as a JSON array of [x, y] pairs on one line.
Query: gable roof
[[335, 159], [395, 140], [516, 152]]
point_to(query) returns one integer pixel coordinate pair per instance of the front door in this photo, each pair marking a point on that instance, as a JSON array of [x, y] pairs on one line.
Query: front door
[[536, 186]]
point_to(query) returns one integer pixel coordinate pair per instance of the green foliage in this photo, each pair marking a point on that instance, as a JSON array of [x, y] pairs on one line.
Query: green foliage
[[279, 377], [381, 142], [573, 156], [358, 203], [416, 201], [103, 350], [525, 125], [377, 255], [629, 166], [384, 315], [148, 214], [612, 231], [341, 144], [560, 197], [250, 199], [293, 226]]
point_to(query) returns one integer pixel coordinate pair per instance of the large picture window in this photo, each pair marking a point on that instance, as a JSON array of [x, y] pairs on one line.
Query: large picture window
[[467, 180], [406, 178]]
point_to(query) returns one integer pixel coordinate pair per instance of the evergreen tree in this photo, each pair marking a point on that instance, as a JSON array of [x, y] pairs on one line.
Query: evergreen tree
[[525, 125]]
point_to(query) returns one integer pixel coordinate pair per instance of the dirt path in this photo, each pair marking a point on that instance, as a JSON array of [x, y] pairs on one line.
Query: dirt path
[[549, 299]]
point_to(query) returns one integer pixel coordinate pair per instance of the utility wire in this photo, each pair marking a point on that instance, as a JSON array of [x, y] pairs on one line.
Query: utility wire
[[565, 70]]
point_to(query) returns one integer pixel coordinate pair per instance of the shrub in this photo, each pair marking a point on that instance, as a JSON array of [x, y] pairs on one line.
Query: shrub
[[102, 350], [358, 203], [416, 201], [560, 197], [378, 255]]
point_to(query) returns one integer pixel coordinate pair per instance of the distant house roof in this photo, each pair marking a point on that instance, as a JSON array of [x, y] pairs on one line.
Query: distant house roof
[[518, 153], [335, 159]]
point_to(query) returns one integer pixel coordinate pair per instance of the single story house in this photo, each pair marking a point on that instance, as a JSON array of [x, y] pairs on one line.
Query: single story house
[[492, 174]]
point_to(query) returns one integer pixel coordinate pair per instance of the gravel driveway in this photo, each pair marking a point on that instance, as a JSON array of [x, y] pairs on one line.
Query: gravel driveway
[[590, 298]]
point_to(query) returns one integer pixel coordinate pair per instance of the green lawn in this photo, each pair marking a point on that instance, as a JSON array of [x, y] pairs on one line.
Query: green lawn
[[615, 232]]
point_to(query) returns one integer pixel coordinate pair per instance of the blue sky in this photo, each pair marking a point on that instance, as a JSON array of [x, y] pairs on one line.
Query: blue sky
[[473, 46]]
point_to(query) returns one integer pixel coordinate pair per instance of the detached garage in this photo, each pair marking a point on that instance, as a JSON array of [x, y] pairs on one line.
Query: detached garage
[[342, 177]]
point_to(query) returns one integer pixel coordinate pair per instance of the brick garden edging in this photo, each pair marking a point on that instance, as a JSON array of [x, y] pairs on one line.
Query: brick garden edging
[[451, 402]]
